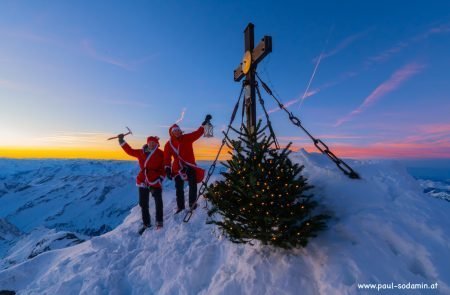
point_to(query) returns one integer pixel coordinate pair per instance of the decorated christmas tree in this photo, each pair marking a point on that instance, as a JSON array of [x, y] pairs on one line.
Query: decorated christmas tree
[[263, 195]]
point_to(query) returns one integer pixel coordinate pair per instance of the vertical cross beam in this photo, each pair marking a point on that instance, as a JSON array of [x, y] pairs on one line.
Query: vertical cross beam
[[250, 94], [247, 68]]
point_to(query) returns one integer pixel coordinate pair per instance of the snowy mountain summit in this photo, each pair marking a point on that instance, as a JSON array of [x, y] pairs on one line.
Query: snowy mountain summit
[[385, 235]]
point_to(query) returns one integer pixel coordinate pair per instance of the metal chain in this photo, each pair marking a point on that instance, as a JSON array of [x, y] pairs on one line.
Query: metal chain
[[261, 101], [320, 145], [211, 169]]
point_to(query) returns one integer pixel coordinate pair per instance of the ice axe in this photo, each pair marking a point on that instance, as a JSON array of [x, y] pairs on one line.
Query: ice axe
[[129, 132]]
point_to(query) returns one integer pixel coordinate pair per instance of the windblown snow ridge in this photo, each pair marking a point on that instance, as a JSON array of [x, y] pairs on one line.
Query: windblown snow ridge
[[384, 229]]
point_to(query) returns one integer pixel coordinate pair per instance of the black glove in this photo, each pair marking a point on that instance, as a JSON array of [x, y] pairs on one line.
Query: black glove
[[169, 173], [120, 137], [207, 119]]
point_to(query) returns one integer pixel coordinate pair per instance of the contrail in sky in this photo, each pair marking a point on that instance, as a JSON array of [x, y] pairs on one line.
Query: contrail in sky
[[182, 116], [316, 67], [310, 80]]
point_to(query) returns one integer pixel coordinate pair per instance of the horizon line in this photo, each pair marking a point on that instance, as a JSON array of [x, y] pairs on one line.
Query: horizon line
[[203, 154]]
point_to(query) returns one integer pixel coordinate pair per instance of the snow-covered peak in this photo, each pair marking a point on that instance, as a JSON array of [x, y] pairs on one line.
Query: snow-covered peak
[[384, 230]]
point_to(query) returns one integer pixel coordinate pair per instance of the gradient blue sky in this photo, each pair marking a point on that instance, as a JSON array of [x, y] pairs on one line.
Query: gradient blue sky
[[74, 72]]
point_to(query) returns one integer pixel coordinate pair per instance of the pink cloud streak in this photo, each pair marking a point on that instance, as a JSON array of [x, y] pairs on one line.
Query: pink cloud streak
[[343, 44], [294, 101], [384, 88], [435, 128], [385, 55], [428, 141], [30, 36], [324, 137], [90, 51], [8, 84], [387, 150]]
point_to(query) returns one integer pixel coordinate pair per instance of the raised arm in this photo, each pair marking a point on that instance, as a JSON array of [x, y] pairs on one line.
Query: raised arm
[[129, 150], [193, 136], [126, 147]]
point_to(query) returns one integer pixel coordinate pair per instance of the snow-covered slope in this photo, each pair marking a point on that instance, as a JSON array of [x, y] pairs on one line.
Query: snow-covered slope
[[89, 197], [437, 189], [37, 242], [384, 230], [9, 234]]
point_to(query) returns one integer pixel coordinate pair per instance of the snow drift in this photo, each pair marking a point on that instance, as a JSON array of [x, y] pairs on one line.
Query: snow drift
[[384, 230]]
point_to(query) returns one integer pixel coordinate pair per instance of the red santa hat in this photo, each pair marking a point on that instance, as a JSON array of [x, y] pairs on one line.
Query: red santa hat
[[174, 126], [153, 139]]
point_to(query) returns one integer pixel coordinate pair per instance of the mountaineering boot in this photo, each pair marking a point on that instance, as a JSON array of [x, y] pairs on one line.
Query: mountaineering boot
[[143, 228], [159, 225]]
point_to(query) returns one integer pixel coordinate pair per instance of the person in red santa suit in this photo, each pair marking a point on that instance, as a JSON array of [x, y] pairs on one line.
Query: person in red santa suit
[[183, 167], [151, 174]]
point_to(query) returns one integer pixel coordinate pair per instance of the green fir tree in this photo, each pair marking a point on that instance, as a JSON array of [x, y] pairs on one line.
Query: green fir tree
[[263, 195]]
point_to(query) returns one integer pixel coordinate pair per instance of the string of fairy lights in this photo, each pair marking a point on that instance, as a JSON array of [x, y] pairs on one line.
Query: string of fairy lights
[[264, 187]]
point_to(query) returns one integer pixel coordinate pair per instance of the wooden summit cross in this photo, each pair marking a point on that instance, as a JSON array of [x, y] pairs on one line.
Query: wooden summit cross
[[252, 56]]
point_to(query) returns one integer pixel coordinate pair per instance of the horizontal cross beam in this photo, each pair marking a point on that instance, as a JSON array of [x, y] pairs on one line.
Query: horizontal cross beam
[[259, 52]]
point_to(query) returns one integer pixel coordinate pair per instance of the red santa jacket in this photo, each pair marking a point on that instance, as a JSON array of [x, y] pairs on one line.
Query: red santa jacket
[[182, 152], [151, 164]]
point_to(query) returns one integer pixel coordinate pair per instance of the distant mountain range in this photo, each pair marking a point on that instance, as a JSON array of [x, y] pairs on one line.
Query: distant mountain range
[[52, 204], [56, 203], [383, 229], [88, 197]]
